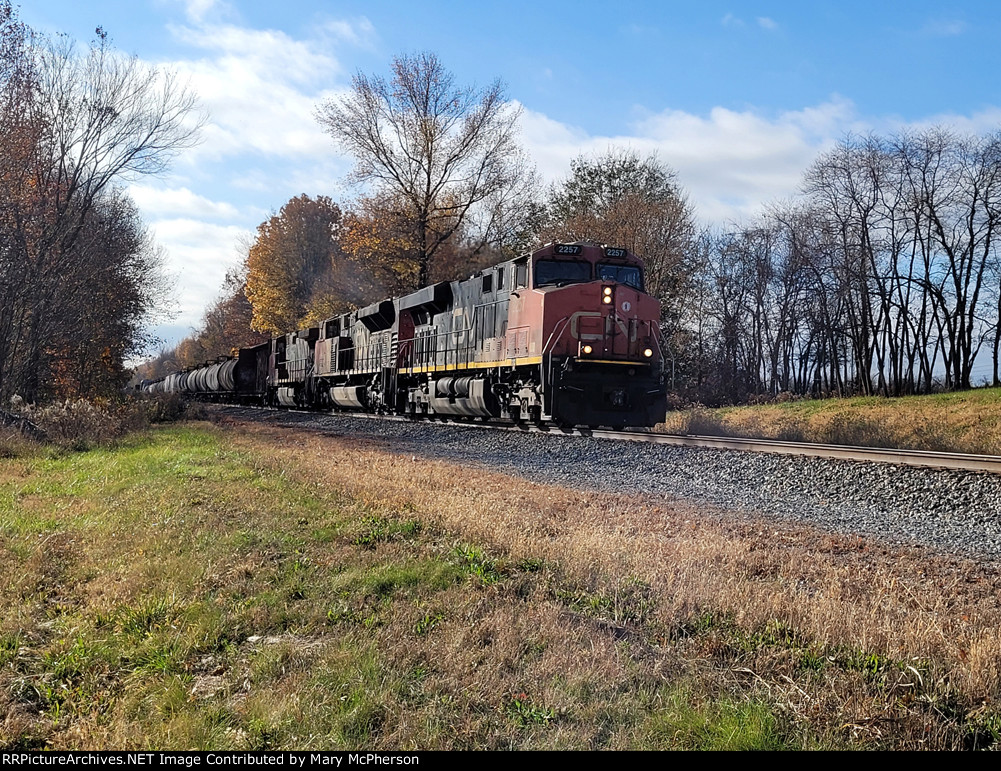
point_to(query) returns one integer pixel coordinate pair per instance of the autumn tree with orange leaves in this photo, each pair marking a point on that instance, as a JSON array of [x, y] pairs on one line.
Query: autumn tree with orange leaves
[[297, 272], [379, 235]]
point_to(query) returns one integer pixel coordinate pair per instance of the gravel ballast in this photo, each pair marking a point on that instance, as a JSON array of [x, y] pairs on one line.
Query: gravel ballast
[[954, 511]]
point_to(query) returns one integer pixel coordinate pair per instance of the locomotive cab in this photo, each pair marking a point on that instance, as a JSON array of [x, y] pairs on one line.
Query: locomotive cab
[[596, 333]]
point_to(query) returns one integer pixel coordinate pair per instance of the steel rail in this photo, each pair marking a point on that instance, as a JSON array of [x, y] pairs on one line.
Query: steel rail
[[927, 458]]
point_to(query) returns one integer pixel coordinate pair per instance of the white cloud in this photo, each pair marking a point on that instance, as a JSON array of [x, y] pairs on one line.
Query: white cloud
[[550, 143], [253, 180], [729, 20], [164, 202], [199, 254], [943, 28], [986, 121], [197, 11], [360, 33], [267, 53], [731, 163], [260, 88]]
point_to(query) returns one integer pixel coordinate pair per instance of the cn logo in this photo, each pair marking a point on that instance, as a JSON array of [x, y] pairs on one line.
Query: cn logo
[[626, 306]]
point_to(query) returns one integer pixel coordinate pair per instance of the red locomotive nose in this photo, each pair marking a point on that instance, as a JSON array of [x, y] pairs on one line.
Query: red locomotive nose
[[600, 321]]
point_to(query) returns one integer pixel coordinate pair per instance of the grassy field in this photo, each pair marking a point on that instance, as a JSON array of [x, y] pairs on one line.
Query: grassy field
[[964, 421], [235, 586]]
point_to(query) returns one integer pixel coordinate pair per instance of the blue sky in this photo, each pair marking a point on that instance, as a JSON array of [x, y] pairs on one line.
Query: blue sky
[[738, 97]]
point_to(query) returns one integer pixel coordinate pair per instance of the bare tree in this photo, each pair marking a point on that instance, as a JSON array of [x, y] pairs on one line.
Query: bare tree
[[90, 120], [107, 116], [445, 149], [19, 135]]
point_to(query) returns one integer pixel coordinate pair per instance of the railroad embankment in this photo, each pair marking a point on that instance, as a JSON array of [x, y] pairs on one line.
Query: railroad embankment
[[271, 586], [966, 421]]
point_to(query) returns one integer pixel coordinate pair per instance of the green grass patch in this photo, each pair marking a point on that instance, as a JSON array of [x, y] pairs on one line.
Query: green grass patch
[[475, 562], [725, 724]]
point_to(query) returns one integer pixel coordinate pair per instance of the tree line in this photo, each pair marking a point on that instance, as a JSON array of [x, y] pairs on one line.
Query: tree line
[[881, 277], [78, 271]]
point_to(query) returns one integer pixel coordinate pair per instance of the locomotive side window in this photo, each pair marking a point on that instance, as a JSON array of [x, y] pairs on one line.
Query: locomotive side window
[[521, 275], [500, 278], [560, 272], [488, 283], [629, 275]]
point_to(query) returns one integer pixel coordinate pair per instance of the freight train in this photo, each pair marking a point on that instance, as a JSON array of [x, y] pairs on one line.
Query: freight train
[[565, 335]]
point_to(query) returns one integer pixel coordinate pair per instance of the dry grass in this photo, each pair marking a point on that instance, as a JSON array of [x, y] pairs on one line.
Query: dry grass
[[257, 587], [173, 592], [967, 421], [933, 623]]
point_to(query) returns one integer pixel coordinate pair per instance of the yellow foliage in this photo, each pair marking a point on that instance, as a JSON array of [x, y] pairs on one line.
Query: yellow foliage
[[295, 251]]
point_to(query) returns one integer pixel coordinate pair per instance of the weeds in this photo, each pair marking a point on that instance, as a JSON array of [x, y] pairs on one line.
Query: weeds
[[148, 615], [963, 421], [10, 644], [377, 530], [81, 424], [427, 623], [524, 713], [476, 563], [724, 724]]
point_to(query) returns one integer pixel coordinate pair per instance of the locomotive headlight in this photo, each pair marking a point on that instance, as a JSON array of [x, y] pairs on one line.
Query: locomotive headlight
[[587, 349], [606, 295], [648, 352]]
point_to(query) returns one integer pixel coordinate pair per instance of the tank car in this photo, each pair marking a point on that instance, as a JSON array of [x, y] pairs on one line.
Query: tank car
[[242, 378]]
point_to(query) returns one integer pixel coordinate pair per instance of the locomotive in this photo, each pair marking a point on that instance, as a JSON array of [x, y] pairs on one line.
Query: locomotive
[[565, 335]]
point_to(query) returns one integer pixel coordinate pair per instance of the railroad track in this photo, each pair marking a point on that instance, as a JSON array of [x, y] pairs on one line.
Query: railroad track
[[948, 460], [990, 464]]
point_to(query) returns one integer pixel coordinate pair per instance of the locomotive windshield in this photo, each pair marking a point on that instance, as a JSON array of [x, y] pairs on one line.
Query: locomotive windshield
[[622, 274], [561, 272]]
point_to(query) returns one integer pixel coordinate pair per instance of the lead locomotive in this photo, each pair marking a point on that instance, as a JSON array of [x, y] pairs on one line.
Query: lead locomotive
[[564, 335]]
